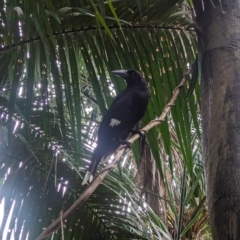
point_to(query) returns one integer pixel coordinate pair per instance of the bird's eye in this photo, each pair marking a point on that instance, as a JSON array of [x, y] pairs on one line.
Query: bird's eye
[[132, 73]]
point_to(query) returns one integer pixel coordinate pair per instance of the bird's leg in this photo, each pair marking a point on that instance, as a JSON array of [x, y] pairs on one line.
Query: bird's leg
[[126, 143]]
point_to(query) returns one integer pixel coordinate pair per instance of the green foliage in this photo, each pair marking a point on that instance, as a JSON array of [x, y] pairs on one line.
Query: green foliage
[[56, 83]]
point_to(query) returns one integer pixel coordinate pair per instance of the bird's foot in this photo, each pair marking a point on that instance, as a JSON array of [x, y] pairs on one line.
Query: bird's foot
[[140, 132], [126, 143]]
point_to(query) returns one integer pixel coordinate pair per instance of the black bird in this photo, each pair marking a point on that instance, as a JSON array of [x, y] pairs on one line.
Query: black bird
[[126, 110]]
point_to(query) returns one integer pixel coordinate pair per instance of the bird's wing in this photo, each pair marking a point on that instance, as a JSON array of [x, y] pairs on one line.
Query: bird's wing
[[119, 117]]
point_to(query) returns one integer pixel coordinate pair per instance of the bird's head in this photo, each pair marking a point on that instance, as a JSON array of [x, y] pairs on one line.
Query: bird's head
[[132, 77]]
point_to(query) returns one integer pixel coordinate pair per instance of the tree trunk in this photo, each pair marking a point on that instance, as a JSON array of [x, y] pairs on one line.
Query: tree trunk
[[219, 28]]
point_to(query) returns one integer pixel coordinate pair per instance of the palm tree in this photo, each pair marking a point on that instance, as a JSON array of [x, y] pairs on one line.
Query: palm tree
[[56, 83]]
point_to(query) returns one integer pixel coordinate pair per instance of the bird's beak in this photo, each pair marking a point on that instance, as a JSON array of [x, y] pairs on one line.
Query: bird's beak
[[120, 73]]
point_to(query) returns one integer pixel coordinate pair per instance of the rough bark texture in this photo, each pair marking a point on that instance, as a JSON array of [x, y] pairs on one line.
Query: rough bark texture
[[149, 179], [219, 28]]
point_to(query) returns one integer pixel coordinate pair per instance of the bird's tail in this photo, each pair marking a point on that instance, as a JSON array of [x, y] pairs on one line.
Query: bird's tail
[[90, 172], [96, 159], [87, 178]]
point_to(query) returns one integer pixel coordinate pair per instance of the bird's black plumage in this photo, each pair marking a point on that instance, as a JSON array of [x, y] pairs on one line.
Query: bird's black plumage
[[125, 111]]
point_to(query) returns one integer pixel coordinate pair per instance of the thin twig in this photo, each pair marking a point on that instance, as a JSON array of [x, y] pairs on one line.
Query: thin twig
[[100, 176], [92, 28]]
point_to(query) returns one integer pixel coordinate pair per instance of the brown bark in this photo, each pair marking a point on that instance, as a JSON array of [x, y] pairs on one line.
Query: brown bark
[[149, 179], [219, 28]]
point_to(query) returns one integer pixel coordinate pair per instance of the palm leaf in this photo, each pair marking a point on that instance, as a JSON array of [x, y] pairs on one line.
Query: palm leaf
[[55, 65]]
